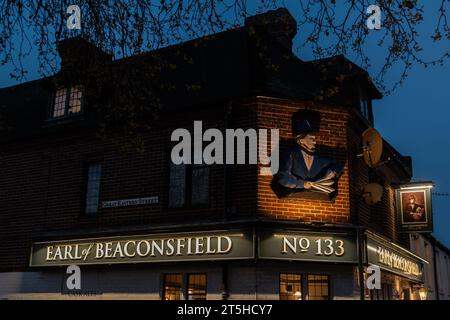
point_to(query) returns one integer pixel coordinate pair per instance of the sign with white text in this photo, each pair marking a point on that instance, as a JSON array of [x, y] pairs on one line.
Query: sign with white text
[[308, 246], [130, 202], [226, 245]]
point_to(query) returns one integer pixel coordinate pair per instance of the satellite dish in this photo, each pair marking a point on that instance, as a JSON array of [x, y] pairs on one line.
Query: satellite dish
[[372, 147], [372, 193]]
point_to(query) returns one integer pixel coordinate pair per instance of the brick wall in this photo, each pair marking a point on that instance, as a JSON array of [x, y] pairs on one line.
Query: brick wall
[[339, 138], [332, 139], [42, 183]]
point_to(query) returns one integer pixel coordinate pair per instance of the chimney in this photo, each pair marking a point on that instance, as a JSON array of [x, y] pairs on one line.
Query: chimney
[[79, 54], [279, 24]]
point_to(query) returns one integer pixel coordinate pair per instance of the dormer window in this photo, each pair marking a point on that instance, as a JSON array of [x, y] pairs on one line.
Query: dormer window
[[67, 102]]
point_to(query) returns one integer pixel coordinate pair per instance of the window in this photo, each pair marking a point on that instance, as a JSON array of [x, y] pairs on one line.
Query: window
[[385, 293], [177, 188], [188, 185], [406, 294], [290, 286], [200, 185], [364, 107], [94, 172], [318, 287], [364, 104], [75, 100], [172, 286], [67, 102], [196, 287], [60, 103]]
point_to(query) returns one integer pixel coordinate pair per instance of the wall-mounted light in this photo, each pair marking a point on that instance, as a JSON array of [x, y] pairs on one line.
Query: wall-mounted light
[[423, 293], [417, 186]]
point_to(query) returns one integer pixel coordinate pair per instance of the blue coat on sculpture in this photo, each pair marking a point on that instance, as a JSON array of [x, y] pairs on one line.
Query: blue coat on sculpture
[[302, 169]]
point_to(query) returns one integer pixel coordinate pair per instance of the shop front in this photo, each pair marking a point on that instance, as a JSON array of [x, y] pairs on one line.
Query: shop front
[[249, 263], [401, 270]]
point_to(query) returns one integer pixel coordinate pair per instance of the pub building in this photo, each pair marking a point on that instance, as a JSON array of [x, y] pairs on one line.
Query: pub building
[[140, 226]]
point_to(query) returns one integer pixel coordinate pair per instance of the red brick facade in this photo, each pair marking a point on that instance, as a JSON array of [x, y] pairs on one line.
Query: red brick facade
[[43, 163], [42, 181], [275, 113]]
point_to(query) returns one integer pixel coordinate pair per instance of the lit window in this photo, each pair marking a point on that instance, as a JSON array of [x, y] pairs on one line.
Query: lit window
[[75, 100], [60, 103], [318, 287], [93, 188], [196, 287], [67, 101], [290, 286], [172, 287]]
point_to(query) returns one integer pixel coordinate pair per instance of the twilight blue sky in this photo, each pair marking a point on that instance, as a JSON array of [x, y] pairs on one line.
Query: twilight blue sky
[[414, 119]]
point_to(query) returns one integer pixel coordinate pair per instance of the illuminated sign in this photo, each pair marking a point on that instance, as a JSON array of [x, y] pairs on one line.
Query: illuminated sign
[[414, 212], [308, 246], [394, 258], [146, 248]]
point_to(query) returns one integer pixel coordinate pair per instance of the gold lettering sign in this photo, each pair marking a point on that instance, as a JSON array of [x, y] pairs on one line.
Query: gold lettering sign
[[397, 262], [152, 248], [394, 258]]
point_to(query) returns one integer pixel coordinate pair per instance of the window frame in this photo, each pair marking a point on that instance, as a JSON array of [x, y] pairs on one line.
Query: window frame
[[329, 297], [84, 198], [364, 104], [302, 297], [187, 294], [188, 191], [67, 99], [163, 286]]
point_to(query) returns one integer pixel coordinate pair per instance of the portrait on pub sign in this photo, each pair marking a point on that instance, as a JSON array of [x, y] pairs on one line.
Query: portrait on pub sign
[[413, 207], [414, 210]]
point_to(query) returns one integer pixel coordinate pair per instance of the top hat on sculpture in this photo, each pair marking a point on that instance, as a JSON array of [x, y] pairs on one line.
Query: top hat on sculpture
[[304, 172], [302, 128]]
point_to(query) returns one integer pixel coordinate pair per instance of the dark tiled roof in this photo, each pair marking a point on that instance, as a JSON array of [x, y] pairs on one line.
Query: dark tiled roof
[[256, 59]]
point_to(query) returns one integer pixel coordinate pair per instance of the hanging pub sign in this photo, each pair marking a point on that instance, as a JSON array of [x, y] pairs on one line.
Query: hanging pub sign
[[414, 211]]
